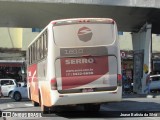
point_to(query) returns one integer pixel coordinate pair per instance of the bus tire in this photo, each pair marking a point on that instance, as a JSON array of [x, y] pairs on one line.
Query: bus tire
[[45, 109], [35, 104], [53, 109], [92, 107]]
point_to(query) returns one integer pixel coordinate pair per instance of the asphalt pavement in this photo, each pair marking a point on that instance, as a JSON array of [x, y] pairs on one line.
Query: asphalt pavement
[[150, 95], [130, 102]]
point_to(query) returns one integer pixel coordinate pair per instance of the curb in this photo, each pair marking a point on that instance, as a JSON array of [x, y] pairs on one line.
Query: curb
[[153, 96], [141, 96]]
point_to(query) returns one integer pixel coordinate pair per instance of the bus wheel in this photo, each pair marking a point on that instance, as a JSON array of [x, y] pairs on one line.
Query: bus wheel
[[92, 107], [45, 109], [53, 109], [35, 103]]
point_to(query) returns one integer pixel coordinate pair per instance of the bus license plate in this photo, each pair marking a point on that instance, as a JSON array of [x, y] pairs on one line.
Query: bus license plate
[[87, 90]]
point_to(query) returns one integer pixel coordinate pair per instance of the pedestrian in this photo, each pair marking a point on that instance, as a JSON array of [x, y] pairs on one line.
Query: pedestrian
[[1, 95], [124, 78], [148, 81]]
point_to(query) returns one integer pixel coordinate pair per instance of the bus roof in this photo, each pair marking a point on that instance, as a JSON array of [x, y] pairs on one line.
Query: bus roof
[[83, 20], [75, 21]]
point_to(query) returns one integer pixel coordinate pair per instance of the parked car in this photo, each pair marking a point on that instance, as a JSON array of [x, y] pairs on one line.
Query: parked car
[[7, 86], [155, 82], [19, 93]]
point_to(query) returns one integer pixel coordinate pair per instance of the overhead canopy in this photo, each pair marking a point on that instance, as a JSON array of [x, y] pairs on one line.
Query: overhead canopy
[[11, 63], [130, 17]]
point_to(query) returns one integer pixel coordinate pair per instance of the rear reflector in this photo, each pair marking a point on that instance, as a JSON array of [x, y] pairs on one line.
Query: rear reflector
[[119, 79], [99, 20], [84, 20], [53, 84], [114, 92]]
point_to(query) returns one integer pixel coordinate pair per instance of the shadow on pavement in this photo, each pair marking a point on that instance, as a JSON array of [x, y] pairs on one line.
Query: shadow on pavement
[[127, 107], [151, 95]]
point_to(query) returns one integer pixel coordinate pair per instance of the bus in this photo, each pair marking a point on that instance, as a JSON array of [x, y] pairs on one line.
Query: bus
[[75, 62]]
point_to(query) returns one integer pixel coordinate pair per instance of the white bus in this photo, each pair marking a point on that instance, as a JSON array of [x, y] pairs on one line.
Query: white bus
[[75, 62]]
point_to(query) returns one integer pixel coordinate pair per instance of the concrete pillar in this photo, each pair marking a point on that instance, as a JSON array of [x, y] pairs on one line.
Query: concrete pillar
[[142, 41]]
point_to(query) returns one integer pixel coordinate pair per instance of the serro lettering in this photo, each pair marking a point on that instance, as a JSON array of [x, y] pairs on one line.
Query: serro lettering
[[79, 61]]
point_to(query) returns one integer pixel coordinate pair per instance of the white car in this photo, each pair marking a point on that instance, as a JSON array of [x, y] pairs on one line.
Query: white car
[[7, 86], [20, 93], [155, 82]]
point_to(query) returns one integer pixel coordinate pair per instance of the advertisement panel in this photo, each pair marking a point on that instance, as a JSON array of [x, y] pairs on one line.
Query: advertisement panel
[[79, 71]]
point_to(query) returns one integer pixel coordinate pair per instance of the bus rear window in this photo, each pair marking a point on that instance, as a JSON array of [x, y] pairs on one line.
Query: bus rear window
[[84, 35]]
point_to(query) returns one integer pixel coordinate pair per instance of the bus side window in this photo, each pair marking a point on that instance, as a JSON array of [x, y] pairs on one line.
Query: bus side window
[[41, 47], [33, 52], [45, 43], [29, 53], [38, 49]]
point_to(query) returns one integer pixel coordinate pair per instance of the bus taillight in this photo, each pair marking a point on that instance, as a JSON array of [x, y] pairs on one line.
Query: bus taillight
[[119, 77], [54, 22], [83, 21], [53, 84]]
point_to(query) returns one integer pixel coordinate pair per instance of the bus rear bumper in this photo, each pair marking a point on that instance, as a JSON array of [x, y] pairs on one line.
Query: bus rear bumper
[[88, 97]]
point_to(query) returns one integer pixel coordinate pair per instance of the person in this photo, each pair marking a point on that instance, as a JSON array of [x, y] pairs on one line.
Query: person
[[1, 95], [124, 80], [125, 85], [148, 81]]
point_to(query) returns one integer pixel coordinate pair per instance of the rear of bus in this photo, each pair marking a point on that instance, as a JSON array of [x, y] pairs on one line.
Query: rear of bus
[[87, 61]]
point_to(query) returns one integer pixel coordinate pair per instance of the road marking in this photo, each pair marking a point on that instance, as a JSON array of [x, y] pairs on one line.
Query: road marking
[[103, 108], [28, 105], [10, 105]]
